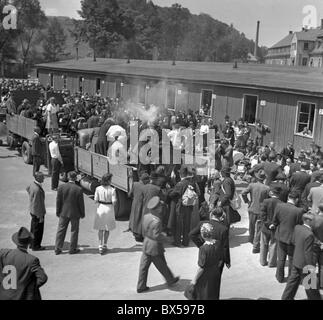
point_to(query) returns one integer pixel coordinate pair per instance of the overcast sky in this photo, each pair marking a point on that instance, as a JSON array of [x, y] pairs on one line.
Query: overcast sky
[[276, 17]]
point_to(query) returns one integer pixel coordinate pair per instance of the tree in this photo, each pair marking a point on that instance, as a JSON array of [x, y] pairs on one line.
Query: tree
[[104, 25], [77, 33], [54, 43], [176, 21], [31, 19]]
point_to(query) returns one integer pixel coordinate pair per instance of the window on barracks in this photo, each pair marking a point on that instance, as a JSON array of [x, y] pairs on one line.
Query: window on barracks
[[98, 85], [206, 102], [51, 80], [81, 80], [250, 108], [142, 94], [171, 98], [305, 119], [65, 82]]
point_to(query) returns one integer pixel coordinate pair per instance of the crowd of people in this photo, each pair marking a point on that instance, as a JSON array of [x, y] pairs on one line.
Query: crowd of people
[[284, 195]]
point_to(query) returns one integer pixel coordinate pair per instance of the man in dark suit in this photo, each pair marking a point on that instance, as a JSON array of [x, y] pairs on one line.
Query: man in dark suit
[[221, 233], [135, 220], [182, 221], [37, 210], [303, 258], [258, 192], [271, 168], [153, 249], [268, 244], [151, 190], [288, 152], [22, 282], [279, 183], [36, 150], [69, 209], [300, 179], [227, 192], [286, 217]]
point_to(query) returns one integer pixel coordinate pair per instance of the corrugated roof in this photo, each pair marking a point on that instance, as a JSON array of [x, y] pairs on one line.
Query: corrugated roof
[[283, 78]]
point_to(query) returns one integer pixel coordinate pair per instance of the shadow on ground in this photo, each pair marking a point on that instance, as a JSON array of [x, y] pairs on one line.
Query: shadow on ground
[[179, 287]]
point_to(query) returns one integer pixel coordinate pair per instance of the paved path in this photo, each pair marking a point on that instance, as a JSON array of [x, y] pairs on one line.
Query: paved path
[[114, 276]]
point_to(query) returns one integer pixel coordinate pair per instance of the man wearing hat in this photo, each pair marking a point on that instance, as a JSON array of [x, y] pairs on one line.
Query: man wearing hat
[[69, 209], [279, 182], [135, 220], [303, 257], [300, 179], [268, 244], [37, 210], [153, 248], [27, 276], [151, 190], [288, 152], [286, 217], [258, 193], [36, 150]]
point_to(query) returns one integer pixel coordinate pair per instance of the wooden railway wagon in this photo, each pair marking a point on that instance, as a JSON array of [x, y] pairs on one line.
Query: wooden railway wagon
[[287, 99]]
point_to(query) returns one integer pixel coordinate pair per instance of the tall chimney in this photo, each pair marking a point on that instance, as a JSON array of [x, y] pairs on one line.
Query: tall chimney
[[257, 40]]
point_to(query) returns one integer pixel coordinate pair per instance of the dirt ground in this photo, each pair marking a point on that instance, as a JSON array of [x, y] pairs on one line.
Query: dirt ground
[[114, 276]]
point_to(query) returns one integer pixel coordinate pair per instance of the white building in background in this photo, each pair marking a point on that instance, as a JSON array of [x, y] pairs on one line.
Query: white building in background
[[304, 48]]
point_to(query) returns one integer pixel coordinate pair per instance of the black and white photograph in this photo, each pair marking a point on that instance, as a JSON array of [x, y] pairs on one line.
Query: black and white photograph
[[161, 150]]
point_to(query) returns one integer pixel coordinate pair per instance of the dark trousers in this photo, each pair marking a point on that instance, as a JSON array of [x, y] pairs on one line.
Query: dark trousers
[[183, 226], [102, 147], [36, 164], [284, 250], [255, 226], [56, 169], [268, 249], [160, 264], [61, 233], [295, 279], [37, 229]]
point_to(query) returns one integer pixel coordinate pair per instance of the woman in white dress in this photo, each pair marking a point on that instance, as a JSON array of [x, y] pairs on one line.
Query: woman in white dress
[[105, 222]]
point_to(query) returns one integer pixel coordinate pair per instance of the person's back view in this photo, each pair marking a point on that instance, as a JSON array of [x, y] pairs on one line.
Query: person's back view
[[24, 270], [69, 209]]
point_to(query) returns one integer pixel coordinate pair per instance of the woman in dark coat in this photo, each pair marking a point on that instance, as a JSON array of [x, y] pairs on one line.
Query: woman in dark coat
[[207, 281], [135, 220]]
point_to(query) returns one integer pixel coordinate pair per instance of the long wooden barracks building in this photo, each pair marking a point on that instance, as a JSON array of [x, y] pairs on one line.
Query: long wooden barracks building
[[287, 99]]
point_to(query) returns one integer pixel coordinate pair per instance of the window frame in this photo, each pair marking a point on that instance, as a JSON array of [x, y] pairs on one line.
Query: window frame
[[51, 80], [299, 102], [175, 104], [98, 80], [244, 107], [211, 105], [64, 81], [81, 82]]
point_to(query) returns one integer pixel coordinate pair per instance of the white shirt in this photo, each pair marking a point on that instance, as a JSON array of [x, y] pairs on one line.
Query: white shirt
[[54, 151]]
